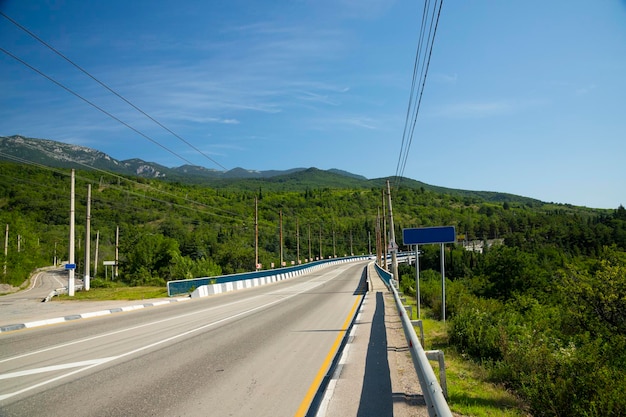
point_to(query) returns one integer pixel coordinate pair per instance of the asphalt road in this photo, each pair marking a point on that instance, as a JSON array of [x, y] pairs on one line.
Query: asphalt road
[[42, 283], [258, 352]]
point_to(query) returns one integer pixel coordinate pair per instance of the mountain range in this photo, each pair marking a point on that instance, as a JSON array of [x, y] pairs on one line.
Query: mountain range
[[55, 154]]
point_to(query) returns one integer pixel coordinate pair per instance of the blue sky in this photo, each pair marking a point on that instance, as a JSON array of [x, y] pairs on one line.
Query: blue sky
[[522, 97]]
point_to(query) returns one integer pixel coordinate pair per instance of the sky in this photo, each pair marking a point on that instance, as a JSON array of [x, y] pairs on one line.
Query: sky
[[523, 97]]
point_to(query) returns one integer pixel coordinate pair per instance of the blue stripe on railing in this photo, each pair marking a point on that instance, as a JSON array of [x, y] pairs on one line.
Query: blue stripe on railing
[[188, 285], [384, 275]]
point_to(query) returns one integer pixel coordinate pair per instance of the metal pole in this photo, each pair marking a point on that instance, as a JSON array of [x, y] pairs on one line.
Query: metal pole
[[70, 285], [443, 285], [87, 239], [95, 261], [417, 281]]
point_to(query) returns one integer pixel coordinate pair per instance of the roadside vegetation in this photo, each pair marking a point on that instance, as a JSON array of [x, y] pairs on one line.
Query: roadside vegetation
[[540, 313], [107, 290]]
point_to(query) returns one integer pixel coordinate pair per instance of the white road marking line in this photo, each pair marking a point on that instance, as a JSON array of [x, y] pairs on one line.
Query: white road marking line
[[53, 368], [97, 362]]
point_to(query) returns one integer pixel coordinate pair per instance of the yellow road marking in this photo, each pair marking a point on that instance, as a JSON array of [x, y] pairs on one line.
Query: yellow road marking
[[308, 398]]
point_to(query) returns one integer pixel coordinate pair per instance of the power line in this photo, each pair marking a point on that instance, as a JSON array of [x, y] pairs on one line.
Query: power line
[[424, 64], [416, 66], [69, 90], [110, 89], [230, 216]]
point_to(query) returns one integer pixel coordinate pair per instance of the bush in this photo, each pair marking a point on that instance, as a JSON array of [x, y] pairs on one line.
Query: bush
[[101, 283]]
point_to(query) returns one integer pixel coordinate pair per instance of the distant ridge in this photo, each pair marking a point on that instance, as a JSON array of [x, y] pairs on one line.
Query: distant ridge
[[55, 154]]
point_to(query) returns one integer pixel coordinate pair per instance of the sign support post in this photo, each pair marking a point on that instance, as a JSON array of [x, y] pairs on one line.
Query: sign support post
[[427, 235], [417, 282]]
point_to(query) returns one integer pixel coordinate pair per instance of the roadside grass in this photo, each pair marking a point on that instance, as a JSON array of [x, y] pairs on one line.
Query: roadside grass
[[118, 293], [470, 392]]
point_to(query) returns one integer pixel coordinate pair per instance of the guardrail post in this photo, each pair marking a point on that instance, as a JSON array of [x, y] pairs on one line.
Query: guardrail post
[[437, 355], [419, 324]]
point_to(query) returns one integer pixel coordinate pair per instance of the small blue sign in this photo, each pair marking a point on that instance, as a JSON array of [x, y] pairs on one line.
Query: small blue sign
[[70, 266], [426, 235]]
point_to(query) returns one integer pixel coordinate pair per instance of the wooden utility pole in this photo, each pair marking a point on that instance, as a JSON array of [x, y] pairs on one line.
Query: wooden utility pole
[[87, 240], [321, 256], [378, 239], [384, 238], [310, 259], [6, 248], [280, 220], [297, 242], [392, 239], [351, 248]]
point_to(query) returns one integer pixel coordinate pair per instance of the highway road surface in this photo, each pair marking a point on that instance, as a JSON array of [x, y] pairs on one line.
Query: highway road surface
[[260, 351]]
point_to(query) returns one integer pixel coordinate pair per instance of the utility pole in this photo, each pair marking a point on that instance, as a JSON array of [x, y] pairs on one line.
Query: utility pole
[[310, 259], [256, 234], [334, 251], [297, 242], [95, 261], [280, 220], [384, 238], [70, 285], [351, 248], [117, 249], [321, 257], [87, 239], [392, 239], [378, 239], [6, 248]]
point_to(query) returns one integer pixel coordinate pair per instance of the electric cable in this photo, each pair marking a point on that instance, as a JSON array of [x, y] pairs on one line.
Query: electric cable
[[109, 89], [231, 216], [69, 90], [416, 95]]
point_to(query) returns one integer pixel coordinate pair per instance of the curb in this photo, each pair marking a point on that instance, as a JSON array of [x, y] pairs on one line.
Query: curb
[[71, 317]]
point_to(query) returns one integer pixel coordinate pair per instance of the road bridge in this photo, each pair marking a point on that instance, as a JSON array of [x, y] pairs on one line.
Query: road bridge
[[264, 351]]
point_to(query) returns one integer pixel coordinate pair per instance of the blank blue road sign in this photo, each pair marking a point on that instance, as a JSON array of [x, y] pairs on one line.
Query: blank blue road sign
[[426, 235], [70, 266]]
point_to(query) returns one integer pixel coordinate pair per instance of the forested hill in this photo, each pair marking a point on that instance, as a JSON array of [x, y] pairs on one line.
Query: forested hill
[[61, 155], [545, 310]]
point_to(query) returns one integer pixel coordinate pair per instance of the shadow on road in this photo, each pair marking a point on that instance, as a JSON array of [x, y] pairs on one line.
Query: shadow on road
[[376, 397]]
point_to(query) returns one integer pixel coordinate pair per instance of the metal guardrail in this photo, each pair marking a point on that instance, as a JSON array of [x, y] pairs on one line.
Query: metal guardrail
[[59, 291], [184, 286], [433, 394]]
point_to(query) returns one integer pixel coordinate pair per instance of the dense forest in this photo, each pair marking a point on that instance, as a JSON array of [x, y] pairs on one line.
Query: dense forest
[[544, 310]]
